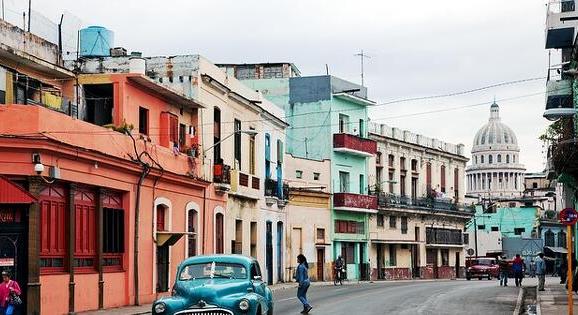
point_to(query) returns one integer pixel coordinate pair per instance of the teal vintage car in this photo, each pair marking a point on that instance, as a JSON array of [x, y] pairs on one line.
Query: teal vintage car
[[217, 285]]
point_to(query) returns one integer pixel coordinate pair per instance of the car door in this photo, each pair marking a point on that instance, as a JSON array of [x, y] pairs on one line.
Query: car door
[[258, 285]]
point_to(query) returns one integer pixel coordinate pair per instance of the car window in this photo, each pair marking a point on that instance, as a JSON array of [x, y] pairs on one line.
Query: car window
[[213, 269], [255, 270]]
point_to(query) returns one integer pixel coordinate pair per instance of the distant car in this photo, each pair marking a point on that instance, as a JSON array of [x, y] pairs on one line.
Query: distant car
[[482, 268], [217, 285]]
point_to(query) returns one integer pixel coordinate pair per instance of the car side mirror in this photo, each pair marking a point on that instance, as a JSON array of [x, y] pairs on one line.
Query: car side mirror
[[257, 278]]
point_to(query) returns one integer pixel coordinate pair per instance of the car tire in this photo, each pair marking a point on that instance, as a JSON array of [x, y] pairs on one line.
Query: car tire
[[480, 278], [468, 277]]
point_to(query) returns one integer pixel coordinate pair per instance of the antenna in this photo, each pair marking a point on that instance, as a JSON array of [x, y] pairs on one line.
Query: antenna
[[362, 56]]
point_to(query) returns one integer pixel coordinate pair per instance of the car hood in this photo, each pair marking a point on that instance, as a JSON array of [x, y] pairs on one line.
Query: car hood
[[212, 290]]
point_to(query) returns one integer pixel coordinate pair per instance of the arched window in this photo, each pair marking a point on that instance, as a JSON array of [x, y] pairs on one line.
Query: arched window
[[192, 226], [490, 159], [549, 238], [161, 218], [562, 239], [514, 158], [507, 158], [219, 233], [475, 160], [482, 159], [499, 158]]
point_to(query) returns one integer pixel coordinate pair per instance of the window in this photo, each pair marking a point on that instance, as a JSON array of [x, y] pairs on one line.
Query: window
[[378, 158], [161, 211], [495, 229], [519, 231], [361, 128], [267, 156], [508, 158], [343, 182], [402, 163], [113, 237], [549, 238], [499, 158], [320, 234], [53, 209], [490, 159], [192, 227], [380, 220], [392, 222], [85, 229], [219, 234], [403, 225], [391, 182], [445, 253], [475, 160], [143, 120], [534, 185], [217, 135], [431, 256], [481, 227], [349, 227], [392, 255], [414, 165], [562, 239], [428, 176], [482, 159], [514, 158], [316, 176], [298, 174], [343, 123], [417, 233], [456, 185], [466, 238], [402, 191], [443, 178], [361, 184], [237, 144], [99, 103], [174, 128], [237, 243], [390, 160], [182, 135], [251, 153]]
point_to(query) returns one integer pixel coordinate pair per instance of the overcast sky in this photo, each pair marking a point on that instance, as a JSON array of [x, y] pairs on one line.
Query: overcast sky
[[417, 48]]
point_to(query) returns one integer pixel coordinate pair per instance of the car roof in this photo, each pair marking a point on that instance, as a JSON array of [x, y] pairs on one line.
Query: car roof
[[235, 259]]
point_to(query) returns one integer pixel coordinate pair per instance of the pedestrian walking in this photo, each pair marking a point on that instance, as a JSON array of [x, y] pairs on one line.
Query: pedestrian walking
[[541, 271], [302, 277], [563, 270], [504, 269], [532, 268], [518, 269], [9, 295]]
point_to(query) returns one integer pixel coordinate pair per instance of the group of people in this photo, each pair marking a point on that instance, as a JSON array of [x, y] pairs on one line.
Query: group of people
[[518, 268]]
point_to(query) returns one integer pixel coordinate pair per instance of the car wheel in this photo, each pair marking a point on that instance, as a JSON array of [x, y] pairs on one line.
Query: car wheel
[[479, 278], [468, 277]]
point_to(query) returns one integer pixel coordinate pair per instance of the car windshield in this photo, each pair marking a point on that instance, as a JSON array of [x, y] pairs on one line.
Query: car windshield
[[213, 270]]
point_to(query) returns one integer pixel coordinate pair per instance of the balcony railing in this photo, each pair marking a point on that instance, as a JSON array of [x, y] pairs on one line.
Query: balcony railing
[[272, 189], [343, 142], [439, 236], [354, 201], [559, 101], [386, 200], [222, 174]]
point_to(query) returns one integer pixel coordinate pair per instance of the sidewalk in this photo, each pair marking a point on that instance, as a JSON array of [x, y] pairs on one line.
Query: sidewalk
[[554, 300]]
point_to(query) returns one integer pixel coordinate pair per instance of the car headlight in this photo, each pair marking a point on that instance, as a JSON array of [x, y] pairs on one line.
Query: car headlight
[[244, 305], [160, 308]]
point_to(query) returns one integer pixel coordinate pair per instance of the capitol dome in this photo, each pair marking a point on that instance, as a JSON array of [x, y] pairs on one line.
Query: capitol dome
[[495, 170]]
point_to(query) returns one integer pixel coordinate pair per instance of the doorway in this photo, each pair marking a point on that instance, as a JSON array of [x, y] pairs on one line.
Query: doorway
[[415, 260], [162, 268], [320, 263], [269, 252], [380, 263], [457, 264], [279, 251], [13, 245]]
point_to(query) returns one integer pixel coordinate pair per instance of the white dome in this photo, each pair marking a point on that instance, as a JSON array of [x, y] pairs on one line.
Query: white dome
[[495, 132]]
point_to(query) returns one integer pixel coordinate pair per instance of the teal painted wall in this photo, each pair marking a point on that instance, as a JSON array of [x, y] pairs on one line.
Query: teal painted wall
[[507, 219]]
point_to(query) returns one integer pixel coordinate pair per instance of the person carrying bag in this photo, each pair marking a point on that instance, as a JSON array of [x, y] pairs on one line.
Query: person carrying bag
[[9, 295]]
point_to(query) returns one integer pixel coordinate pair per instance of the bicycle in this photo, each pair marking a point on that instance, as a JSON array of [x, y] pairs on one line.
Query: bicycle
[[338, 276]]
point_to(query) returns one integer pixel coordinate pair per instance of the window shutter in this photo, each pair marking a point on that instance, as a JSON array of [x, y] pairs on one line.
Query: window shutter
[[280, 151]]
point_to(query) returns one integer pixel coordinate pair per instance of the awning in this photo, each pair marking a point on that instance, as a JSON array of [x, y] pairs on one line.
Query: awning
[[14, 194], [377, 241], [560, 250], [170, 238]]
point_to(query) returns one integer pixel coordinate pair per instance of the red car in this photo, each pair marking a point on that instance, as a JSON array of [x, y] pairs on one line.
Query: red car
[[482, 267]]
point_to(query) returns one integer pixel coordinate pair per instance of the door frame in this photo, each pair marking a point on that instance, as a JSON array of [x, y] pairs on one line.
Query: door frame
[[320, 263]]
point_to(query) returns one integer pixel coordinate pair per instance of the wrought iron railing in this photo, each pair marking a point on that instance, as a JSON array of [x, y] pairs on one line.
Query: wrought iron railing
[[390, 200]]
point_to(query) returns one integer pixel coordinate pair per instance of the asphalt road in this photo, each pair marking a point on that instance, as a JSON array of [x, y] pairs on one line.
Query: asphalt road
[[409, 298]]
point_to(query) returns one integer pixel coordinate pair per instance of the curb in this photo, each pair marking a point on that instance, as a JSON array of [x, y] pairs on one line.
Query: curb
[[519, 301], [293, 285], [538, 302]]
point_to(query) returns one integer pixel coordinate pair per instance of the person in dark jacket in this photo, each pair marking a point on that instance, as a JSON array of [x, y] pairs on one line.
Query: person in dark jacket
[[302, 277]]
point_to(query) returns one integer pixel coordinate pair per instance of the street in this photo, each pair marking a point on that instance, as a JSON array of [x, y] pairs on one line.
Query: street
[[422, 297]]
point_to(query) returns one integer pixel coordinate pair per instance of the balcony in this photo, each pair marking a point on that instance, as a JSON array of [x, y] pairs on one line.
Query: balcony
[[343, 142], [559, 101], [561, 21], [355, 202], [444, 237], [386, 200], [222, 177]]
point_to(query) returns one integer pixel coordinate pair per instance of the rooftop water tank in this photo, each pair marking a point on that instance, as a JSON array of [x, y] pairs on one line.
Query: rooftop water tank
[[96, 41]]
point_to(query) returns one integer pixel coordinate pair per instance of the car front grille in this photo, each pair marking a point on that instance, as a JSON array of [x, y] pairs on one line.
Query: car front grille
[[205, 311]]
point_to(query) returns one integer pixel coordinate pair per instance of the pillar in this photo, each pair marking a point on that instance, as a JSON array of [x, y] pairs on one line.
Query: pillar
[[70, 253], [33, 286]]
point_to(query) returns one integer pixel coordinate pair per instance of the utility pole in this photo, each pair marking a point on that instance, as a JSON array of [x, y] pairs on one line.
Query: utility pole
[[362, 56], [29, 13]]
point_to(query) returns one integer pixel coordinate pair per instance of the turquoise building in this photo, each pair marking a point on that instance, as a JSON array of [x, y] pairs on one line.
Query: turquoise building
[[328, 120], [510, 222]]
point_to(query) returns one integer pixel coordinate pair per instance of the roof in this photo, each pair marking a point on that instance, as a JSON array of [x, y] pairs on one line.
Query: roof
[[238, 259], [166, 93], [495, 132], [11, 193]]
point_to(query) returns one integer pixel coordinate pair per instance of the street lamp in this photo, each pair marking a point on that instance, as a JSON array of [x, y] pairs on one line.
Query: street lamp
[[247, 132]]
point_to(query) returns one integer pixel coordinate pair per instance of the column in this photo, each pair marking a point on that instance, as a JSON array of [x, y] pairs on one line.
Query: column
[[71, 245], [33, 288]]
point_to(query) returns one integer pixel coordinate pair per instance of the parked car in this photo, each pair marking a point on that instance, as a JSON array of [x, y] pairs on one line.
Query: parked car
[[217, 285], [482, 267]]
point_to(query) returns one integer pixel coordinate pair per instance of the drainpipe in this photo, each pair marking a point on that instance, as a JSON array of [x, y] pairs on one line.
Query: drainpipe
[[145, 171]]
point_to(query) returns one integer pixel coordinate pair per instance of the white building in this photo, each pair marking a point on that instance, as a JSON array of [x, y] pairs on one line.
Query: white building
[[495, 171]]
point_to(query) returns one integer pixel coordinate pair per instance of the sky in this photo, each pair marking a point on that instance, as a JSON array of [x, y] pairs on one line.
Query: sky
[[417, 48]]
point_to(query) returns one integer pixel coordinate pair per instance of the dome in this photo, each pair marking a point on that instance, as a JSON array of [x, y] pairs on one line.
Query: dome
[[495, 132]]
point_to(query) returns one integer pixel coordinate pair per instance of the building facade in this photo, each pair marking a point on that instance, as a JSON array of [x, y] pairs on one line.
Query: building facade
[[418, 229]]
